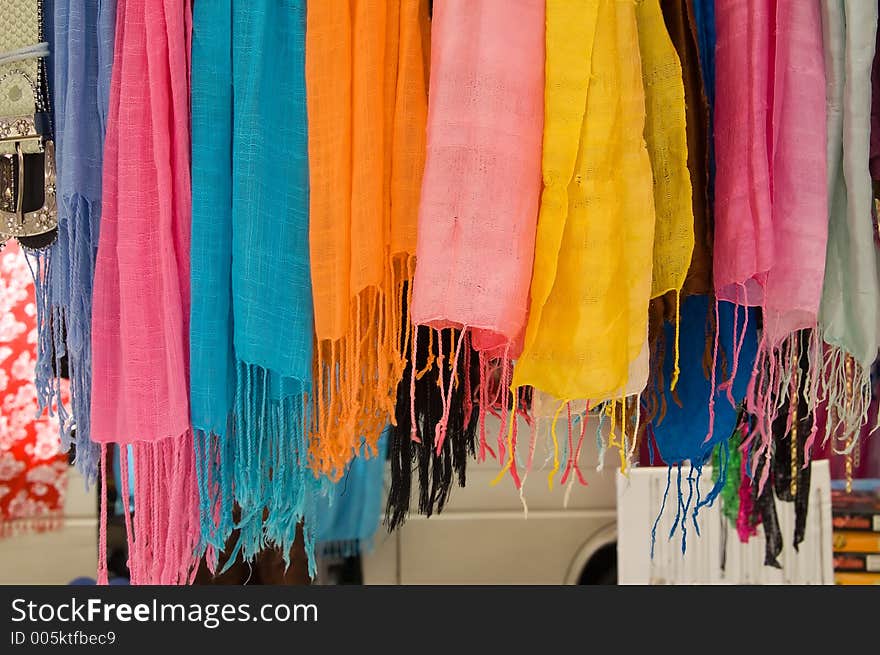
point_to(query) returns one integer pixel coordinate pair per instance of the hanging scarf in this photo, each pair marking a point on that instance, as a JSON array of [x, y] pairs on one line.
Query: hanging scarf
[[704, 21], [727, 457], [771, 189], [874, 163], [140, 312], [349, 515], [251, 332], [366, 81], [681, 425], [421, 399], [479, 198], [666, 138], [33, 473], [791, 470], [681, 22], [850, 313], [82, 57], [597, 195]]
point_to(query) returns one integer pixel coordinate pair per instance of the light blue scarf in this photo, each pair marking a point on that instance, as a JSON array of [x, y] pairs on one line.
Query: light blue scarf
[[349, 515], [82, 37], [252, 323]]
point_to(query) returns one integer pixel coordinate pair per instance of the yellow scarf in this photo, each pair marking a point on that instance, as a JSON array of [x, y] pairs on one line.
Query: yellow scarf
[[616, 223]]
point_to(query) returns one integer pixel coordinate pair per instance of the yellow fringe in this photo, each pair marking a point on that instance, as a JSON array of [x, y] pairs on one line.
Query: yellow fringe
[[675, 370]]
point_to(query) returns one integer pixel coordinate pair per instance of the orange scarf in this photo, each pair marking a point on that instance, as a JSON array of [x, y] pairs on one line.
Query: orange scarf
[[366, 82]]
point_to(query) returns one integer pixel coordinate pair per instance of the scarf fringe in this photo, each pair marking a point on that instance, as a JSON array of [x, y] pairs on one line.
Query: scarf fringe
[[422, 404], [357, 375], [624, 419], [254, 479], [163, 534], [688, 507], [778, 377], [845, 388], [64, 315], [729, 493]]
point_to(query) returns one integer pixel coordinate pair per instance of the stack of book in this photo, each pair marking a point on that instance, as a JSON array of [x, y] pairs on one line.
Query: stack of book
[[856, 536]]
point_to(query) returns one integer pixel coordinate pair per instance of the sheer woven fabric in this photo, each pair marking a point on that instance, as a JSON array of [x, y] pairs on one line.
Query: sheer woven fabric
[[850, 312], [482, 177], [666, 138], [704, 19], [743, 222], [798, 165], [683, 30], [875, 117], [681, 425], [140, 313], [251, 333], [771, 193], [82, 56], [480, 192], [367, 102], [588, 314], [704, 22], [681, 22]]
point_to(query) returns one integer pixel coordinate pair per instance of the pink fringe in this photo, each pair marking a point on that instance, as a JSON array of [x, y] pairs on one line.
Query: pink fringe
[[163, 538]]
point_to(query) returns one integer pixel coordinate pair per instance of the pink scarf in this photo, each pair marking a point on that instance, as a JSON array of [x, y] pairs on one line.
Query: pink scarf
[[482, 181], [140, 319], [771, 204]]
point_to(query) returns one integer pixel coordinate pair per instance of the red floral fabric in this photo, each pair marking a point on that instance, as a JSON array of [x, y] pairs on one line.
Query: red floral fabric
[[33, 473]]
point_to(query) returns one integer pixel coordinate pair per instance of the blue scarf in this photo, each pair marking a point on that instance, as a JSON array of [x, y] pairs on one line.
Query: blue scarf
[[704, 17], [349, 515], [681, 435], [81, 33], [251, 322]]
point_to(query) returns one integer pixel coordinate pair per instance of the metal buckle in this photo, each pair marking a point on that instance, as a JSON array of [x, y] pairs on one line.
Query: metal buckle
[[14, 220]]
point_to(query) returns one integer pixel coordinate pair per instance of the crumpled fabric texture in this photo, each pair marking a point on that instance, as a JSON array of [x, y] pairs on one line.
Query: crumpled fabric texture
[[366, 78], [140, 306], [141, 297], [771, 191], [251, 335], [667, 141], [479, 198], [82, 57], [850, 316], [588, 315]]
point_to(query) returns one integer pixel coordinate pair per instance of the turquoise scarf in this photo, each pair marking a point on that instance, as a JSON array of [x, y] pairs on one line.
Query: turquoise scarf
[[251, 331]]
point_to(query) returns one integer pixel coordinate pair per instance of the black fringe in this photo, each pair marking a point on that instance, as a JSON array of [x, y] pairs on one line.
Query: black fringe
[[779, 484], [782, 459], [436, 472]]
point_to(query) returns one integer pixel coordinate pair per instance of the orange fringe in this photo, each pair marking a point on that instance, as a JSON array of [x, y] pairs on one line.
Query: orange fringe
[[356, 376]]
